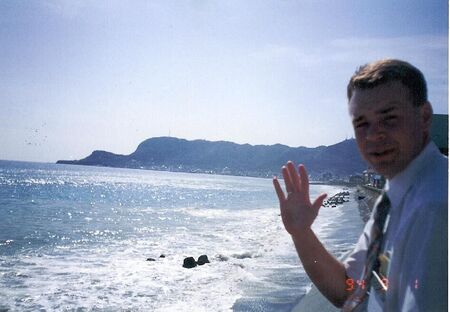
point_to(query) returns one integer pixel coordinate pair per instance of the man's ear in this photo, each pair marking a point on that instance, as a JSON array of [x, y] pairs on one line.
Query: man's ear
[[426, 115]]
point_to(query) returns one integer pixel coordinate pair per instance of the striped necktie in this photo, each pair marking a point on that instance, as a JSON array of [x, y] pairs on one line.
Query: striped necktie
[[357, 301]]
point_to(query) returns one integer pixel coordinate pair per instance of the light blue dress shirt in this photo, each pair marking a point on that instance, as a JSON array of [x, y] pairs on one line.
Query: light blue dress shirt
[[415, 240]]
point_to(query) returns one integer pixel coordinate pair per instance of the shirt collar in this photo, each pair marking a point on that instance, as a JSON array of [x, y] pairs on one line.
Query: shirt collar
[[397, 187]]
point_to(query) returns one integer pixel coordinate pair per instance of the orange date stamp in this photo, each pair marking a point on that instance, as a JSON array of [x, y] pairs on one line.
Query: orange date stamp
[[351, 284]]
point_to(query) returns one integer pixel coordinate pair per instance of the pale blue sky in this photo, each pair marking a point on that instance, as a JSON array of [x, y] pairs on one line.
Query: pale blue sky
[[76, 76]]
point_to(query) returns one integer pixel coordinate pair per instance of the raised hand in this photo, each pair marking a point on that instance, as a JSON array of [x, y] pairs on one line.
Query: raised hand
[[297, 211]]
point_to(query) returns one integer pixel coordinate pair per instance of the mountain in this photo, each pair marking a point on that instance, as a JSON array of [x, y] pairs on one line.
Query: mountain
[[221, 157]]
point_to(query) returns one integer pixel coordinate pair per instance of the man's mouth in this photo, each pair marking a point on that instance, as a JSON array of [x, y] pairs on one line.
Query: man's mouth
[[382, 153]]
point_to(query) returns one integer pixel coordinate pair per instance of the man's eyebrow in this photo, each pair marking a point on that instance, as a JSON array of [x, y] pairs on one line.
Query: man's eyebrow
[[386, 110], [382, 111]]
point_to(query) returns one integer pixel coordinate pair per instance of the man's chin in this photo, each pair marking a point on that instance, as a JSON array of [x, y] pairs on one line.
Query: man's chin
[[384, 162]]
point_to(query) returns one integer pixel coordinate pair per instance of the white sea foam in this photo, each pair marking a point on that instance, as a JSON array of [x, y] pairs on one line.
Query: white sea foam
[[77, 249]]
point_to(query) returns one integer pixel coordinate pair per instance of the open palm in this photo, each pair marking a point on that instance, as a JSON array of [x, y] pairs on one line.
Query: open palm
[[297, 211]]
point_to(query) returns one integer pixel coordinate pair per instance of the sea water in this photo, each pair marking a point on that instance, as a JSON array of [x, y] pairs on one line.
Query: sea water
[[77, 238]]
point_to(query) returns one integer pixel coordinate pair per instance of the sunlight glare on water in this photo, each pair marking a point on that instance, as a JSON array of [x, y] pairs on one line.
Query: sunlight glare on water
[[77, 238]]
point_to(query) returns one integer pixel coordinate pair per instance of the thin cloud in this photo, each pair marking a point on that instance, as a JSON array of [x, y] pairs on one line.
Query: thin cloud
[[350, 49], [429, 53], [417, 49], [343, 55], [278, 53], [73, 9]]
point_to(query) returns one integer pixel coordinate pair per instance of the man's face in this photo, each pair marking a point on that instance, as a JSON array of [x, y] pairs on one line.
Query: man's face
[[389, 129]]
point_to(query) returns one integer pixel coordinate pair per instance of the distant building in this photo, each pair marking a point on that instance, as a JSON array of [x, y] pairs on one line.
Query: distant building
[[378, 181], [371, 178], [439, 132], [367, 175], [327, 176]]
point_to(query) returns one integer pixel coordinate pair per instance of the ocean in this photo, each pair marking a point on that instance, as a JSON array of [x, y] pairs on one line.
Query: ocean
[[77, 238]]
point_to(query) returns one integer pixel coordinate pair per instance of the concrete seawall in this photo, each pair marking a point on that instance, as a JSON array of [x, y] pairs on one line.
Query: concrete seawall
[[366, 197], [314, 301]]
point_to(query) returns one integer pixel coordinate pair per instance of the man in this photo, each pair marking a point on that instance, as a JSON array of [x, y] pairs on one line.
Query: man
[[400, 260]]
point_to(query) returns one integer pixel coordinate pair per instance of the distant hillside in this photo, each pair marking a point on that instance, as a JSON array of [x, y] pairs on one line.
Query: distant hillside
[[173, 154]]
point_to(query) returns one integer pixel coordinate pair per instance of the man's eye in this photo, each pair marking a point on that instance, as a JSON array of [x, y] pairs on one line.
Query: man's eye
[[361, 125], [389, 118]]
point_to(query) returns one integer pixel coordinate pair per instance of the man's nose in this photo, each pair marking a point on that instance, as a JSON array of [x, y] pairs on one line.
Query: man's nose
[[375, 132]]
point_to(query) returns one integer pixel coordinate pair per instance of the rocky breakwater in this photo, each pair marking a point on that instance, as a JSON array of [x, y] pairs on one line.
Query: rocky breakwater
[[337, 199]]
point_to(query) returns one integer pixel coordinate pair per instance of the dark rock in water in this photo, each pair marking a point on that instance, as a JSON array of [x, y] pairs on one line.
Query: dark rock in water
[[150, 259], [162, 256], [189, 263], [202, 260]]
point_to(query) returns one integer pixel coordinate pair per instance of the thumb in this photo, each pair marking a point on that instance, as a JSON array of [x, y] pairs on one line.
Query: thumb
[[319, 200]]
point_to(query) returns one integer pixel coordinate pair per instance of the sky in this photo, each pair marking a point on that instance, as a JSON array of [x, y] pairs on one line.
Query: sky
[[78, 76]]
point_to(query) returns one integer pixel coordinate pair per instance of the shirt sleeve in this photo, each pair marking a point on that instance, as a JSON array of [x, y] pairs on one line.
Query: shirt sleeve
[[354, 263]]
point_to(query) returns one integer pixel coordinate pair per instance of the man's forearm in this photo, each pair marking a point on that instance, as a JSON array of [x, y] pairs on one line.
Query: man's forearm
[[324, 270]]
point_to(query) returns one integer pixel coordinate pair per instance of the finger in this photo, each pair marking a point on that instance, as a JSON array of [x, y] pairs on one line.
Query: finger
[[294, 176], [278, 190], [319, 200], [304, 181], [287, 180]]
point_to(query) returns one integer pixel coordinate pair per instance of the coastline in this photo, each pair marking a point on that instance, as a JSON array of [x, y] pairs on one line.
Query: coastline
[[314, 300]]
